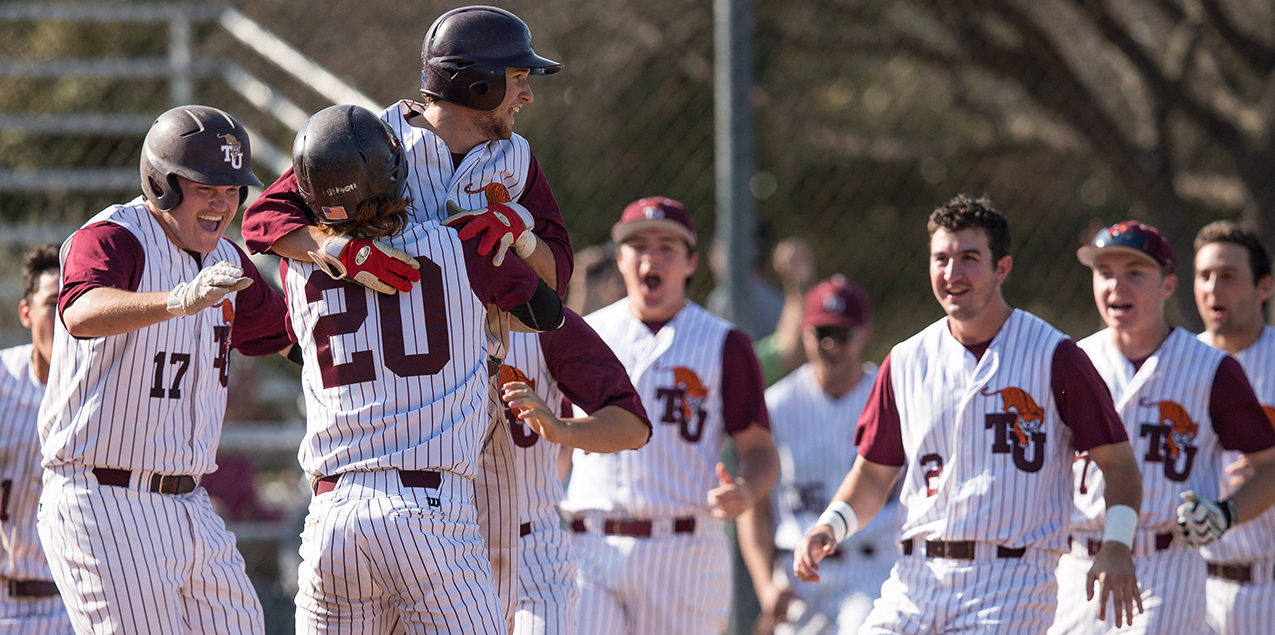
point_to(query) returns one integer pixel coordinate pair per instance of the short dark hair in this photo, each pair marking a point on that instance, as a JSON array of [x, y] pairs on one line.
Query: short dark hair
[[1225, 231], [963, 212], [43, 258]]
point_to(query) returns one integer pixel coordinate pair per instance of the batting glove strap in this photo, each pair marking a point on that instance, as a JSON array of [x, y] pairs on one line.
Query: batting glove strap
[[370, 263], [501, 225], [1202, 521], [210, 285]]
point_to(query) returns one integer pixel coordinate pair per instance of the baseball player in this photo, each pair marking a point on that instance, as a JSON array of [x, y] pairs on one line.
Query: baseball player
[[153, 299], [648, 524], [985, 408], [460, 148], [396, 390], [29, 600], [810, 410], [571, 362], [1232, 286], [1181, 402]]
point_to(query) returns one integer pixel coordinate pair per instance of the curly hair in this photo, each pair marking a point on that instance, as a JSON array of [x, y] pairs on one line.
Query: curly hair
[[43, 258], [963, 212], [375, 217], [1225, 231]]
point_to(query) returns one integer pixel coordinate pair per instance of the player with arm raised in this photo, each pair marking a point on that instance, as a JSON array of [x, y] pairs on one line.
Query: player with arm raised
[[153, 299], [986, 409], [396, 388], [1182, 403]]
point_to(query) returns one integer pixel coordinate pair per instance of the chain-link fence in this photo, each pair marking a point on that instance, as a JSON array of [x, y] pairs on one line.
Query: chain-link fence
[[869, 113]]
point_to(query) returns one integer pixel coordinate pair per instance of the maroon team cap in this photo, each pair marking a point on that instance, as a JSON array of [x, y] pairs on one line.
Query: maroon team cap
[[1131, 237], [654, 212], [835, 302]]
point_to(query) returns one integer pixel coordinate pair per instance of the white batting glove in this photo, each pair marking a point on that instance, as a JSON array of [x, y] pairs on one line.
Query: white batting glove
[[210, 285], [1202, 521], [501, 225]]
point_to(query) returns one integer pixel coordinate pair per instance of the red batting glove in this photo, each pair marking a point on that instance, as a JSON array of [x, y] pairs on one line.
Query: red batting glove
[[501, 225], [370, 263]]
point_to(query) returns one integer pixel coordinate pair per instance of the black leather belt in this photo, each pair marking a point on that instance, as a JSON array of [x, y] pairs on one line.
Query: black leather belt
[[32, 588], [160, 483], [959, 549], [635, 527], [1162, 541], [1232, 572], [409, 478]]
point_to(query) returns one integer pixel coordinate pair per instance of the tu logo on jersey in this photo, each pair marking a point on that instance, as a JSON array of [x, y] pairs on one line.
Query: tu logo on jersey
[[684, 403], [495, 192], [1172, 438], [221, 334], [1021, 425], [233, 150], [524, 436]]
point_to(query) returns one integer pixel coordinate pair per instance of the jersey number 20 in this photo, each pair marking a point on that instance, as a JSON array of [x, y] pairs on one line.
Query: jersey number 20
[[360, 367]]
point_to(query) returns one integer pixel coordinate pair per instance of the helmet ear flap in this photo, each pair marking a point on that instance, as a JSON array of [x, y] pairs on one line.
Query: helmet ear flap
[[164, 196]]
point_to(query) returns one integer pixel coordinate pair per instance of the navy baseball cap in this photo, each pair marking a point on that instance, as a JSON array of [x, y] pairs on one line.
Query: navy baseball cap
[[654, 212], [835, 302], [1131, 237]]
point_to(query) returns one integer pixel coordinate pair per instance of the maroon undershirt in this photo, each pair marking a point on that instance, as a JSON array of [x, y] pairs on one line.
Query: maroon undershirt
[[587, 371]]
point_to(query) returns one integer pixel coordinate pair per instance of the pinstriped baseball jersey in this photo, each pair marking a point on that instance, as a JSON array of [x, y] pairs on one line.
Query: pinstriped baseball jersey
[[811, 429], [20, 473], [166, 382], [392, 381], [1255, 539], [1165, 409], [539, 486], [983, 436], [678, 373]]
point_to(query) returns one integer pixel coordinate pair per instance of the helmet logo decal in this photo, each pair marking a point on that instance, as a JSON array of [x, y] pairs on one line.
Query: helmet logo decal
[[233, 150], [653, 212], [335, 213], [342, 189]]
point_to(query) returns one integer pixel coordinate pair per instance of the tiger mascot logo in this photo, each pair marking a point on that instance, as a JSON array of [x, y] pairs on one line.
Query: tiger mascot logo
[[1023, 419], [684, 403], [1172, 438], [495, 192], [524, 436], [1030, 417]]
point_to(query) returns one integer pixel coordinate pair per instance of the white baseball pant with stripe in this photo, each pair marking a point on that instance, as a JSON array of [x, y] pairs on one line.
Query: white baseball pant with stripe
[[1238, 608], [496, 496], [173, 567], [547, 593]]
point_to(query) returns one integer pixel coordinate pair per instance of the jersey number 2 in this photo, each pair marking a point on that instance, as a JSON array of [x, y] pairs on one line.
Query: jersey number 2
[[360, 367]]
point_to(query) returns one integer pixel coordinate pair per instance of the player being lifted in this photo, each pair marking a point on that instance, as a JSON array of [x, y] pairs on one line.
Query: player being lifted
[[153, 300], [985, 408], [396, 388], [1182, 402]]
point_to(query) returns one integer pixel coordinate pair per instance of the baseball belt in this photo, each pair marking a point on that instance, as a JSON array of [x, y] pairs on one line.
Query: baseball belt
[[1160, 542], [172, 484], [959, 549], [409, 478], [31, 588], [1244, 573], [635, 527]]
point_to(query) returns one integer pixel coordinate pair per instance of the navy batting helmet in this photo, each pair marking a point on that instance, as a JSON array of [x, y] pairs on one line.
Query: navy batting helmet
[[466, 52], [202, 144], [345, 155]]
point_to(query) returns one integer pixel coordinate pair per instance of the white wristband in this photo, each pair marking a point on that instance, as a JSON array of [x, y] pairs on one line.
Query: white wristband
[[841, 517], [1120, 525]]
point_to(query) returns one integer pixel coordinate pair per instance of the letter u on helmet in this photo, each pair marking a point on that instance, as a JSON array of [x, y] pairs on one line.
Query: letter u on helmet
[[466, 52], [203, 144], [343, 156]]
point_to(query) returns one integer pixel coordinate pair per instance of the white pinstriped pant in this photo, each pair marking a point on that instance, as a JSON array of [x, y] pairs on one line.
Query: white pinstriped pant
[[129, 561], [988, 595], [378, 557], [1236, 608], [496, 497], [1172, 585], [547, 592], [33, 616], [677, 584]]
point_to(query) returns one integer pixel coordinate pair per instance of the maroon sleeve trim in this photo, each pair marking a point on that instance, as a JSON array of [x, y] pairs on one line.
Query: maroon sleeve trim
[[1083, 399], [260, 326], [1238, 418], [102, 254], [743, 389], [880, 431], [538, 198], [587, 371]]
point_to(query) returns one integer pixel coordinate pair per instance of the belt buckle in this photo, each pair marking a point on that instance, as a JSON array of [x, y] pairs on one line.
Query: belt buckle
[[12, 587]]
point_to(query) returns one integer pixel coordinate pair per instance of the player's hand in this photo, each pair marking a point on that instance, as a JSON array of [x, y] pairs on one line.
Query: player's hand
[[1239, 471], [814, 546], [1115, 574], [501, 226], [210, 285], [774, 603], [730, 498], [1202, 521], [369, 262], [794, 262], [531, 409]]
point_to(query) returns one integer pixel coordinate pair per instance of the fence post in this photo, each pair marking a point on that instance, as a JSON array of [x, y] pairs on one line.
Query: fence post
[[180, 88], [732, 82]]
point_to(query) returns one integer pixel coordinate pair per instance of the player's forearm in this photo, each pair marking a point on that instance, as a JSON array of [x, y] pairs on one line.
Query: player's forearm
[[755, 529], [296, 244], [610, 429], [543, 263], [758, 468], [1257, 493], [106, 311], [1120, 472], [866, 488]]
